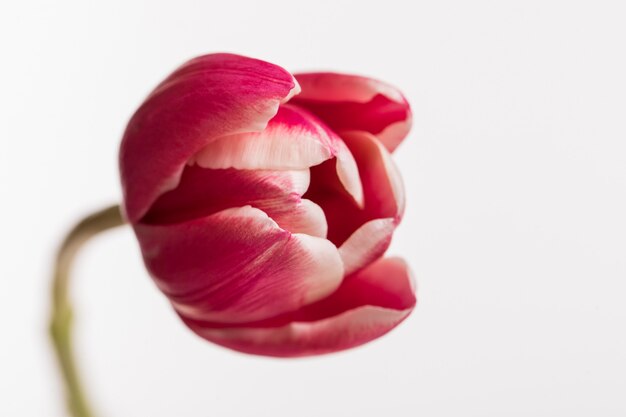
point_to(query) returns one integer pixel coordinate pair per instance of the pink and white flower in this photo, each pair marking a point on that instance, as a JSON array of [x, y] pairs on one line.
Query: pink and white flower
[[264, 202]]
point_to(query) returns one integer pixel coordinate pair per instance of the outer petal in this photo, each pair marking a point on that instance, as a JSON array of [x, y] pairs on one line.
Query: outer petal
[[366, 306], [208, 97], [350, 102], [238, 265]]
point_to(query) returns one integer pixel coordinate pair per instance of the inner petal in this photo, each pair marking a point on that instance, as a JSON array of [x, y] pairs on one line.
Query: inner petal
[[343, 214], [293, 139], [382, 188]]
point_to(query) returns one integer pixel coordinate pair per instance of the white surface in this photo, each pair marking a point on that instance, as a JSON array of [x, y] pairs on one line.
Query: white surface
[[515, 227]]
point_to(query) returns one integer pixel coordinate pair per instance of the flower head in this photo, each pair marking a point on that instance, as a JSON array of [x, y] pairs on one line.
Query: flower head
[[264, 202]]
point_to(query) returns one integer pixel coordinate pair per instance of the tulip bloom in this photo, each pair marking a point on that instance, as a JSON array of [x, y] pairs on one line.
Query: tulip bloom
[[264, 202]]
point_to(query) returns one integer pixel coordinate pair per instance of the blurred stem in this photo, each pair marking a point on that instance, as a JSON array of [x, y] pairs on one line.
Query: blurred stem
[[61, 317]]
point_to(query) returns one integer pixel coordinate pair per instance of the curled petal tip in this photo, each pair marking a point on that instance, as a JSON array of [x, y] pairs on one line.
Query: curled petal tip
[[295, 90]]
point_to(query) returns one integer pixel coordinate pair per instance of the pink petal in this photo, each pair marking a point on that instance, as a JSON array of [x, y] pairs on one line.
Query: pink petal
[[368, 243], [365, 307], [293, 139], [350, 102], [237, 265], [207, 98]]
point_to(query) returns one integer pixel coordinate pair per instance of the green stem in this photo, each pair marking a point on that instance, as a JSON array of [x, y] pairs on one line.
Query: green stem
[[61, 317]]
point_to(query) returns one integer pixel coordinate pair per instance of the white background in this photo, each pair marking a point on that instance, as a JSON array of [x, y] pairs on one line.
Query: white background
[[515, 228]]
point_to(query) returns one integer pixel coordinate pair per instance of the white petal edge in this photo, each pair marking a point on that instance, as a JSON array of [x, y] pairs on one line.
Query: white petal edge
[[348, 173], [293, 92], [326, 267], [366, 244], [300, 180], [394, 134], [307, 218], [270, 149], [334, 87]]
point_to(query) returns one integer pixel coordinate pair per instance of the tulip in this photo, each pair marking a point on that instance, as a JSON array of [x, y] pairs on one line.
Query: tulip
[[263, 203]]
